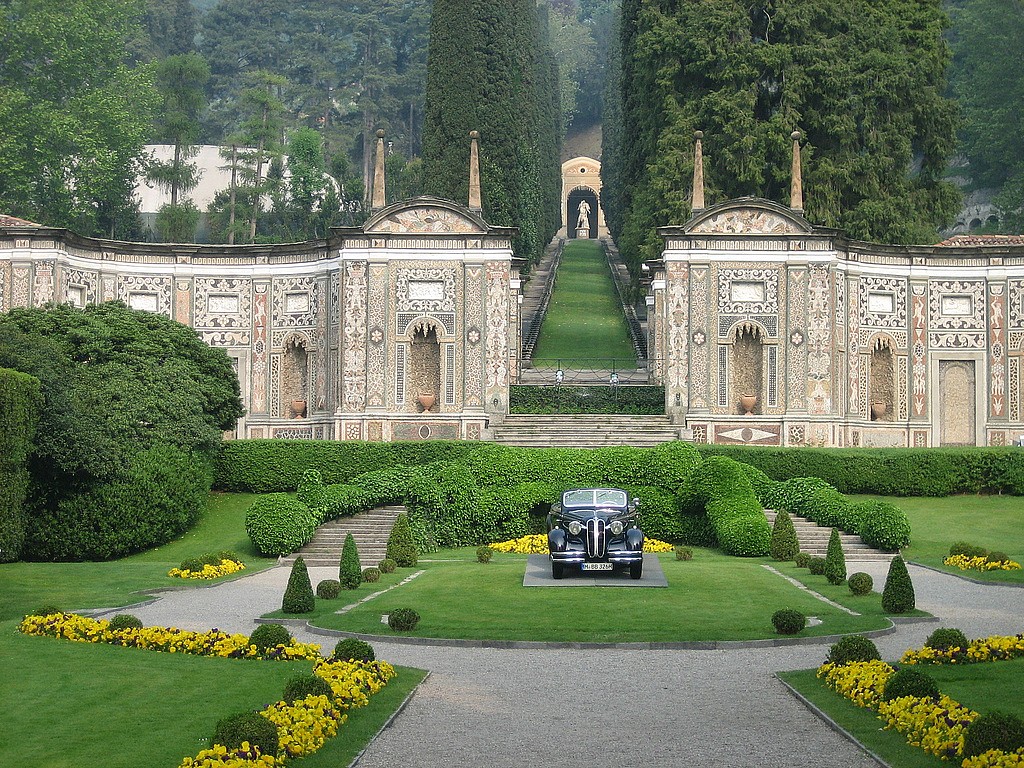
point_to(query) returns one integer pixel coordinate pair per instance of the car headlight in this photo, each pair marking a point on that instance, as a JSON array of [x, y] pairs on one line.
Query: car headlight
[[616, 527], [575, 527]]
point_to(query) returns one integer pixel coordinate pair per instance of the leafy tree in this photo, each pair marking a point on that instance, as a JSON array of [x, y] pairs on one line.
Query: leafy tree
[[20, 401], [989, 84], [74, 113], [862, 80]]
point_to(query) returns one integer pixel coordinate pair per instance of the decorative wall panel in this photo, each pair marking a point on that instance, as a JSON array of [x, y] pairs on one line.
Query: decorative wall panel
[[158, 285], [796, 353], [498, 294], [676, 297], [376, 352], [919, 369], [997, 350], [354, 337], [700, 392], [474, 320]]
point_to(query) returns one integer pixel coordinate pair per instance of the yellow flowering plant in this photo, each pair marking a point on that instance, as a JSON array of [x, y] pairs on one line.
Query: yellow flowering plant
[[995, 758], [537, 544], [965, 563], [219, 756], [995, 648], [225, 568]]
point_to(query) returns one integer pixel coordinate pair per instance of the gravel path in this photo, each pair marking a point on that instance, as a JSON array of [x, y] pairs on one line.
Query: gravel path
[[599, 708]]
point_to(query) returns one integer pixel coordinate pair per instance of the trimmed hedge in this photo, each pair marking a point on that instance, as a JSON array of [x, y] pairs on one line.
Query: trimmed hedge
[[636, 400], [734, 512], [278, 524], [20, 401]]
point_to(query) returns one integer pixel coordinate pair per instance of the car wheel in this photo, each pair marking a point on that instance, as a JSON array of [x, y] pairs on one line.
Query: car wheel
[[557, 571], [636, 570]]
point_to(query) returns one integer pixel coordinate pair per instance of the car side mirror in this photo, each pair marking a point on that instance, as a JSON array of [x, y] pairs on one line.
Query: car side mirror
[[636, 502]]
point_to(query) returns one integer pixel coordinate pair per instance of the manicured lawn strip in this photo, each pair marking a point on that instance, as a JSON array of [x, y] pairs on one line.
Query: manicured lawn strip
[[712, 597], [584, 318], [71, 586], [364, 723], [997, 685], [74, 704], [346, 597], [868, 605], [993, 522], [863, 724]]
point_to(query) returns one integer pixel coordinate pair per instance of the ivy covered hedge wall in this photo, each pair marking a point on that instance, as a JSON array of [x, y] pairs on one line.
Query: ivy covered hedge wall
[[20, 401]]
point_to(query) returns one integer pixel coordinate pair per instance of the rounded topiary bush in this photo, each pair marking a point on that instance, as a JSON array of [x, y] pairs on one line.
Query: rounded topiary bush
[[351, 649], [298, 595], [247, 726], [852, 648], [861, 583], [997, 557], [788, 621], [898, 593], [125, 621], [301, 686], [46, 609], [387, 565], [268, 636], [817, 566], [328, 589], [350, 572], [908, 681], [884, 526], [403, 619], [994, 730], [191, 564], [784, 543], [967, 549], [484, 554], [683, 553], [946, 638], [371, 575], [802, 560], [278, 524]]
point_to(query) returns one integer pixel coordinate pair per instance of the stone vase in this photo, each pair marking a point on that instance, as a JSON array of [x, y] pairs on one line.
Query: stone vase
[[426, 400], [299, 408], [747, 402], [878, 409]]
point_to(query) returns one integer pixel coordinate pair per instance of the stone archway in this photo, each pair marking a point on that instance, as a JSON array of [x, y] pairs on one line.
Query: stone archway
[[746, 368], [572, 211], [295, 378], [882, 377], [424, 377]]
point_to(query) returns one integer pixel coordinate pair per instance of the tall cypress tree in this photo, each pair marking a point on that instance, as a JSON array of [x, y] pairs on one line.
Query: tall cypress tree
[[862, 80]]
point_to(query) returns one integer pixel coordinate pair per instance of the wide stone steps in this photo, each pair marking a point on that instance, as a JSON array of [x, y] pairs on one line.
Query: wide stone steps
[[814, 538], [369, 529], [584, 431]]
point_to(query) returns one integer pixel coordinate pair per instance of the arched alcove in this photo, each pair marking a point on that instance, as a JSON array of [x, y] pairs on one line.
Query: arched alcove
[[295, 378], [746, 369], [424, 377], [882, 389], [572, 211]]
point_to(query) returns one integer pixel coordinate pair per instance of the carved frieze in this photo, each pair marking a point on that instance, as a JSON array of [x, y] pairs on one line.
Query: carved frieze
[[883, 302], [426, 220], [956, 305], [149, 292], [498, 292], [295, 302], [223, 303], [354, 336], [819, 341], [423, 290], [475, 319], [752, 291], [747, 221], [700, 392]]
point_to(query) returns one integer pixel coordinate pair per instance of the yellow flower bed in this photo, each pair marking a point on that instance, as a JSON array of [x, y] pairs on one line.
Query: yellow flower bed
[[862, 682], [219, 756], [965, 563], [70, 626], [936, 727], [995, 648], [225, 568], [353, 682], [304, 726], [537, 544], [995, 758]]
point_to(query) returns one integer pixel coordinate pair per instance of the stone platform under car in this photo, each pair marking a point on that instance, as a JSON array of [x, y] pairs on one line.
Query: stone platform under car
[[538, 574]]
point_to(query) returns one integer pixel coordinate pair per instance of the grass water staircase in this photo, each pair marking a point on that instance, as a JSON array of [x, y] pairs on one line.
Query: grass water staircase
[[813, 540], [584, 431], [370, 530]]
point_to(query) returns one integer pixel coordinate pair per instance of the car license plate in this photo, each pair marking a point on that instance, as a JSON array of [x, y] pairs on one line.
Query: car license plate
[[596, 566]]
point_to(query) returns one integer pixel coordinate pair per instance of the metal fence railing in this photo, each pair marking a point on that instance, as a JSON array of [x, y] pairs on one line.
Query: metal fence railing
[[590, 371]]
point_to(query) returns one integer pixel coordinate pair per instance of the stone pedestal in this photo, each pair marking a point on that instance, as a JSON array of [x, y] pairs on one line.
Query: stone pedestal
[[583, 233]]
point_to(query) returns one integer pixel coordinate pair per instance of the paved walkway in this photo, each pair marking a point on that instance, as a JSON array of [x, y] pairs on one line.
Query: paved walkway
[[600, 708]]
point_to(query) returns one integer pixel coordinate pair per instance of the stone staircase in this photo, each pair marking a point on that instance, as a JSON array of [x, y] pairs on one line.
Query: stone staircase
[[370, 530], [813, 540], [584, 431]]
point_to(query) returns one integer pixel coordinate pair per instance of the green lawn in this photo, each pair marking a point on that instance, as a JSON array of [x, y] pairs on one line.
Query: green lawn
[[712, 597], [584, 326], [993, 522]]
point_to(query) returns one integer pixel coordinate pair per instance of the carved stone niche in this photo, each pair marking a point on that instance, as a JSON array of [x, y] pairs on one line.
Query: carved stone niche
[[295, 378], [882, 389], [746, 370], [424, 377]]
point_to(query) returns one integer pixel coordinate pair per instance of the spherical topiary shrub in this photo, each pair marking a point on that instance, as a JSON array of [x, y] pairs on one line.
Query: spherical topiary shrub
[[484, 554], [885, 526], [47, 609], [802, 560], [997, 557], [946, 638], [268, 636], [898, 593], [967, 549], [861, 583], [328, 589], [387, 565], [852, 648], [788, 621], [350, 572], [125, 621], [301, 686], [403, 619], [371, 575], [835, 560], [908, 681], [401, 544], [683, 553], [193, 564], [817, 566], [784, 544], [351, 649], [994, 730], [279, 524], [247, 726], [298, 595]]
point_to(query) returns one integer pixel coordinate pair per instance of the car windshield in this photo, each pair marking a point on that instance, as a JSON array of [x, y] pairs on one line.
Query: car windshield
[[594, 497]]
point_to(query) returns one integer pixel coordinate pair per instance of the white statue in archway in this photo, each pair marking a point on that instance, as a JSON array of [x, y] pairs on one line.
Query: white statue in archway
[[583, 220]]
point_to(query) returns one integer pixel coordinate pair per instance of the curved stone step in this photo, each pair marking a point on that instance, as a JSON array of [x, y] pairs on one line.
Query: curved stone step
[[369, 529], [814, 538]]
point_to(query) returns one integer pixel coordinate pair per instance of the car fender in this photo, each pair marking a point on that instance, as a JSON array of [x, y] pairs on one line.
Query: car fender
[[557, 540], [635, 539]]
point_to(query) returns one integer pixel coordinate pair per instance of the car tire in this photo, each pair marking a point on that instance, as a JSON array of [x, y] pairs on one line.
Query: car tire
[[636, 570], [557, 570]]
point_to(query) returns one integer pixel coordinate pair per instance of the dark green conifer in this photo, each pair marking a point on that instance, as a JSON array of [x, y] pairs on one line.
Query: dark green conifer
[[350, 573], [784, 544], [835, 560], [298, 595], [401, 545], [898, 593]]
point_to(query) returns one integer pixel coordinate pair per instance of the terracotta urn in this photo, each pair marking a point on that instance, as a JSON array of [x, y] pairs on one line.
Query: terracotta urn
[[747, 402], [427, 400], [299, 408], [878, 409]]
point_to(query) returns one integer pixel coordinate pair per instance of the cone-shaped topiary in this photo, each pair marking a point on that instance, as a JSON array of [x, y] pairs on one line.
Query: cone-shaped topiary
[[835, 560], [898, 593], [784, 545], [298, 595], [350, 572], [401, 545]]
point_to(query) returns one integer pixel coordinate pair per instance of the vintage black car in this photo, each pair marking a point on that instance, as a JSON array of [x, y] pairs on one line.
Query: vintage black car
[[594, 529]]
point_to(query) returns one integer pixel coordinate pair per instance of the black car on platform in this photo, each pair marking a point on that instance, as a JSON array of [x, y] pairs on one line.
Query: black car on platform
[[595, 529]]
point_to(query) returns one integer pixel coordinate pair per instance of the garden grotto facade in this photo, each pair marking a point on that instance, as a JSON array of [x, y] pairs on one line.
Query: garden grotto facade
[[763, 328]]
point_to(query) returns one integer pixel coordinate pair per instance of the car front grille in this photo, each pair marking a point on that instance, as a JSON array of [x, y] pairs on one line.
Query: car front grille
[[597, 537]]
